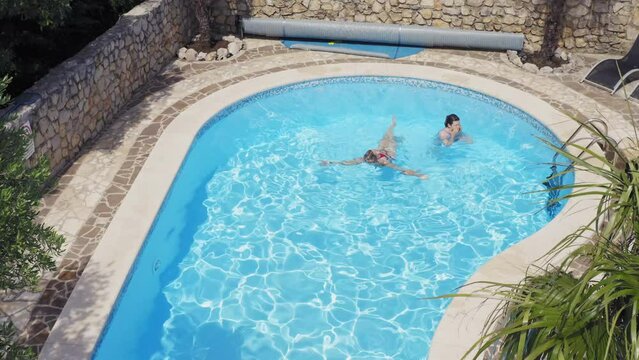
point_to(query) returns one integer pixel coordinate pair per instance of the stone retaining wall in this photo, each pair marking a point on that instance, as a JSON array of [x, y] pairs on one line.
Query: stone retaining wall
[[591, 25], [76, 99]]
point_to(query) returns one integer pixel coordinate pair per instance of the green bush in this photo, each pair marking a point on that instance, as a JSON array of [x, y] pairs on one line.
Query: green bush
[[122, 6], [9, 348], [555, 315], [27, 247], [46, 13]]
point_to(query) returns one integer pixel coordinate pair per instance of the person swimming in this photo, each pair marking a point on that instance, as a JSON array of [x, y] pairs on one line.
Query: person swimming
[[383, 155], [452, 131]]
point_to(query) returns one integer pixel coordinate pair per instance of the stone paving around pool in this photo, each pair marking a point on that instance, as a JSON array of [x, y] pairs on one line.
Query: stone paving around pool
[[86, 197]]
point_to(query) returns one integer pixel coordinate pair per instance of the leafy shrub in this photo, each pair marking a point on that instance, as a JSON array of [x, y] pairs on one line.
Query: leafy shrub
[[555, 315], [9, 349], [37, 35], [47, 13], [26, 247], [122, 6]]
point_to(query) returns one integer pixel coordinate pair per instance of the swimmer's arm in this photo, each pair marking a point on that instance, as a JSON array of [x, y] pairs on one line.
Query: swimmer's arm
[[446, 138], [343, 162], [407, 171], [466, 138]]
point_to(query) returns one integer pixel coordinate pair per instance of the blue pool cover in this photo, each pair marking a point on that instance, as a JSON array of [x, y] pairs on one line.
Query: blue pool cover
[[367, 49]]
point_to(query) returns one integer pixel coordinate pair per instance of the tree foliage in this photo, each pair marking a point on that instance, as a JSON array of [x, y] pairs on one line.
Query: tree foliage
[[36, 35], [26, 247], [47, 13], [9, 348], [122, 6], [555, 315]]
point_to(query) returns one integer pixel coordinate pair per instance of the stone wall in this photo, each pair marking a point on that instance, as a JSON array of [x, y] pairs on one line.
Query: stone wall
[[590, 25], [78, 98]]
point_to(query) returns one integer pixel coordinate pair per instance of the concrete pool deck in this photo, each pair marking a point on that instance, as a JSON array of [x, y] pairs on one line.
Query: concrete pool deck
[[88, 195]]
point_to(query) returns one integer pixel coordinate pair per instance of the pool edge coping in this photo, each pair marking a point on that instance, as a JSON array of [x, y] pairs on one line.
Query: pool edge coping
[[124, 237]]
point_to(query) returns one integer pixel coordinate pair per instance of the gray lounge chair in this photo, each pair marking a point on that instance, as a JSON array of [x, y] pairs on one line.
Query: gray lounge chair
[[610, 74], [634, 95]]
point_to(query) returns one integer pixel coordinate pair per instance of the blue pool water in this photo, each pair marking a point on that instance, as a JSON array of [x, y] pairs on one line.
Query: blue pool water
[[261, 253]]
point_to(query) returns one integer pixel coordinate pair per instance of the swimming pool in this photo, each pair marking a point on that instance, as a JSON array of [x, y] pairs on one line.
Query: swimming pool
[[259, 252]]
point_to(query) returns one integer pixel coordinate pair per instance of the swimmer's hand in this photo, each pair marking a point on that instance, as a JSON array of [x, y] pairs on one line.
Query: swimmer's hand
[[325, 162], [414, 173]]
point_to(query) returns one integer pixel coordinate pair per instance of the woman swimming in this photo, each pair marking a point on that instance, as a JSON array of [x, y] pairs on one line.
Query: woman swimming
[[383, 155]]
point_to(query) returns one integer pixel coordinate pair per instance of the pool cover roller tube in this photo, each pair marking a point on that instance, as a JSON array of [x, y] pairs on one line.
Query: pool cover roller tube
[[409, 35]]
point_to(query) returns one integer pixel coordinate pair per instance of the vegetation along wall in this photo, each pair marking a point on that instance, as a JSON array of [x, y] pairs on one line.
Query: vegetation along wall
[[76, 99]]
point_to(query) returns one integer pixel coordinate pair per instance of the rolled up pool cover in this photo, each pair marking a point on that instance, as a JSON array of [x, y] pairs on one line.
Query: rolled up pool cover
[[409, 35]]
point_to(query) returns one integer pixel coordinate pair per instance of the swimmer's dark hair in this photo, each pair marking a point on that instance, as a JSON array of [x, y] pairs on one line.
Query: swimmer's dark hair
[[370, 156], [450, 119]]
